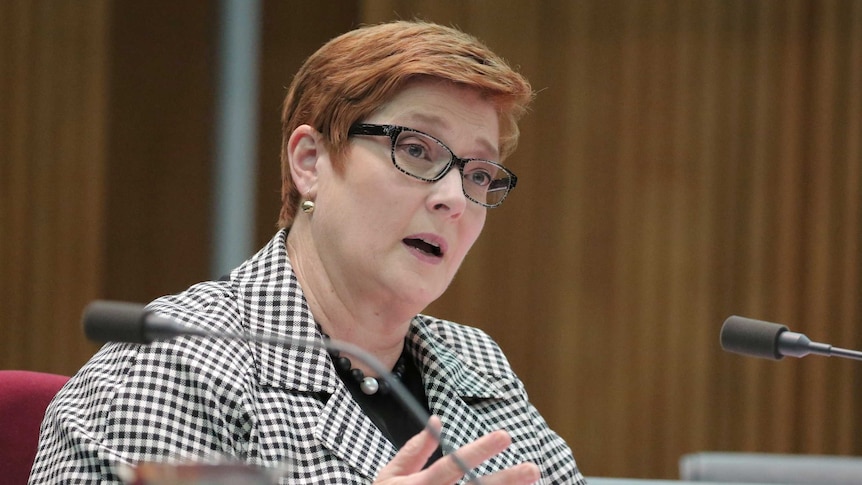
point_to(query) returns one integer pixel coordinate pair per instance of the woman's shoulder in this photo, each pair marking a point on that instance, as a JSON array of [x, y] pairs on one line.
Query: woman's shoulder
[[209, 305]]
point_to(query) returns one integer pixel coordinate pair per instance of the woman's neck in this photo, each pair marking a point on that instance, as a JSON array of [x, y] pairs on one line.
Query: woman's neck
[[344, 312]]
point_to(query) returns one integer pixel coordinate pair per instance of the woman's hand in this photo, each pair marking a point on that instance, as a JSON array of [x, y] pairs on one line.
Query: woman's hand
[[406, 467]]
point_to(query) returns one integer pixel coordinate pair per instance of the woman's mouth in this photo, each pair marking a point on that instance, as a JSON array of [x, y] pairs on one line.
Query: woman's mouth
[[425, 246]]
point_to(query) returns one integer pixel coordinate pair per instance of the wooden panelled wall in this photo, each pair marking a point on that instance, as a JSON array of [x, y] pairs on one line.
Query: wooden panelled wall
[[684, 161], [53, 130]]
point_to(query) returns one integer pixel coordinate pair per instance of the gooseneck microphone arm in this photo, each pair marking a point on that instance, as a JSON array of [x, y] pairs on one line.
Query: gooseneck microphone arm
[[757, 338], [112, 321]]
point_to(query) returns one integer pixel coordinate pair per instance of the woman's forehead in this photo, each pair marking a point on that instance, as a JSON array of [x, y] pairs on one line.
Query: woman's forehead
[[446, 111]]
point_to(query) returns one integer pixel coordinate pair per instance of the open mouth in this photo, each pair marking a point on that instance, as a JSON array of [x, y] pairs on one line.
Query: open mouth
[[424, 246]]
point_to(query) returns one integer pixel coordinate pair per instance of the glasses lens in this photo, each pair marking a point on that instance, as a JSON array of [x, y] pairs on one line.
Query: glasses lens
[[425, 158], [420, 155], [486, 182]]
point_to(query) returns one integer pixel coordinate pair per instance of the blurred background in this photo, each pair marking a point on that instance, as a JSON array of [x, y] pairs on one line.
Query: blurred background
[[684, 161]]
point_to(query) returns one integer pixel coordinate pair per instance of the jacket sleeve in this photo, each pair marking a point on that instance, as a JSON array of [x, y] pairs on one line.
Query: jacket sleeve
[[558, 464], [533, 438]]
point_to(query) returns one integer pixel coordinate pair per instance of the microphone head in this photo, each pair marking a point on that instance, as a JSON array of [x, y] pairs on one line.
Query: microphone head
[[113, 321], [751, 337]]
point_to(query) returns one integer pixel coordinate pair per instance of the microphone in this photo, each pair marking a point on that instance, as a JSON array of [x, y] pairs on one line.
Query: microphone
[[767, 340], [113, 321]]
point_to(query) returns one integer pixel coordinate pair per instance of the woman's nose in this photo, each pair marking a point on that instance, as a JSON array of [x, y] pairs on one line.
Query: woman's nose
[[447, 194]]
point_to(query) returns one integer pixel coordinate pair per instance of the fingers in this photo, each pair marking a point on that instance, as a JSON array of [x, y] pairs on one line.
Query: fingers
[[414, 454], [472, 455], [409, 461], [522, 474]]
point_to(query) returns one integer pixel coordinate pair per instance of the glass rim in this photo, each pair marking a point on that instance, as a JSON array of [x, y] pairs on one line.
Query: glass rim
[[393, 132]]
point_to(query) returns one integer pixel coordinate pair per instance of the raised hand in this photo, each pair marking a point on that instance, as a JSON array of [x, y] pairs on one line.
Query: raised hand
[[406, 467]]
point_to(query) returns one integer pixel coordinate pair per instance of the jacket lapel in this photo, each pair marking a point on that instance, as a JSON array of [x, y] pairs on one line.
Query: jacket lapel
[[351, 436], [273, 305]]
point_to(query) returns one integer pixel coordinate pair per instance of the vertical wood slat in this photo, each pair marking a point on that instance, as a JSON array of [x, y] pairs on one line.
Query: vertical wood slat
[[756, 271], [52, 183], [841, 104], [789, 164], [16, 33], [820, 226], [701, 133], [691, 211], [627, 271], [850, 283]]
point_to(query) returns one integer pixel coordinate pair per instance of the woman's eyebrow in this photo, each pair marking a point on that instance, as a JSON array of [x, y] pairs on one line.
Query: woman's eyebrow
[[434, 120]]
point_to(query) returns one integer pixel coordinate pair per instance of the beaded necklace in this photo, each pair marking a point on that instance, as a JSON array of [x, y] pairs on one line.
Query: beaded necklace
[[368, 385]]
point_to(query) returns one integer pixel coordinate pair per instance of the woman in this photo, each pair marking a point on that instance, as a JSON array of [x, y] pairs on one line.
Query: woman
[[392, 141]]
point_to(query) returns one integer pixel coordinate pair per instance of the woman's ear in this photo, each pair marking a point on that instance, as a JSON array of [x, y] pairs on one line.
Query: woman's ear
[[304, 147]]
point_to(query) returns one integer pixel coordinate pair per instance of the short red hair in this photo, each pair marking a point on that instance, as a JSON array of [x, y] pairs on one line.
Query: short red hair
[[356, 73]]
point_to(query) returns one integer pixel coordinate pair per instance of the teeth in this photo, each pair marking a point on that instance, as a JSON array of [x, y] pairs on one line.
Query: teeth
[[431, 244], [426, 246], [435, 249]]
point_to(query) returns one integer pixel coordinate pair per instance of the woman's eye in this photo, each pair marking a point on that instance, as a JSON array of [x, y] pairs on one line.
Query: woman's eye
[[415, 151], [415, 148], [479, 177]]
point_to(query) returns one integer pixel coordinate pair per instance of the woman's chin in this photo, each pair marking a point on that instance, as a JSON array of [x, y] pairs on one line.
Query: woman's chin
[[415, 299]]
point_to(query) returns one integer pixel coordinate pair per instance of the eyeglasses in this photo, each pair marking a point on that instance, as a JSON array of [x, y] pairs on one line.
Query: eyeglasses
[[424, 157]]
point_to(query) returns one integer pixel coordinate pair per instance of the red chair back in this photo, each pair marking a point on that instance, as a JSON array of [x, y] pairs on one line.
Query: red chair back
[[24, 396]]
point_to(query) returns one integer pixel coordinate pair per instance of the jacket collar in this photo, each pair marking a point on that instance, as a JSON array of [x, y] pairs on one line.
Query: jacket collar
[[272, 304], [442, 366]]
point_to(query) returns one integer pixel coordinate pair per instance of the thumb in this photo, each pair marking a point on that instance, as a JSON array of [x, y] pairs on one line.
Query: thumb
[[414, 454]]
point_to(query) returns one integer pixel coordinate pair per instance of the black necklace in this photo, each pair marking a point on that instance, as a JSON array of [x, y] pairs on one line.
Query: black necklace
[[368, 385]]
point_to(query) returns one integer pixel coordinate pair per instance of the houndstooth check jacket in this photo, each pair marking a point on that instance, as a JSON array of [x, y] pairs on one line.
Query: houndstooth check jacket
[[205, 400]]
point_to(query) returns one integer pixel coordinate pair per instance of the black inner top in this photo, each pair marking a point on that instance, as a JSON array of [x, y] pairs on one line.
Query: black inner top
[[387, 413]]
